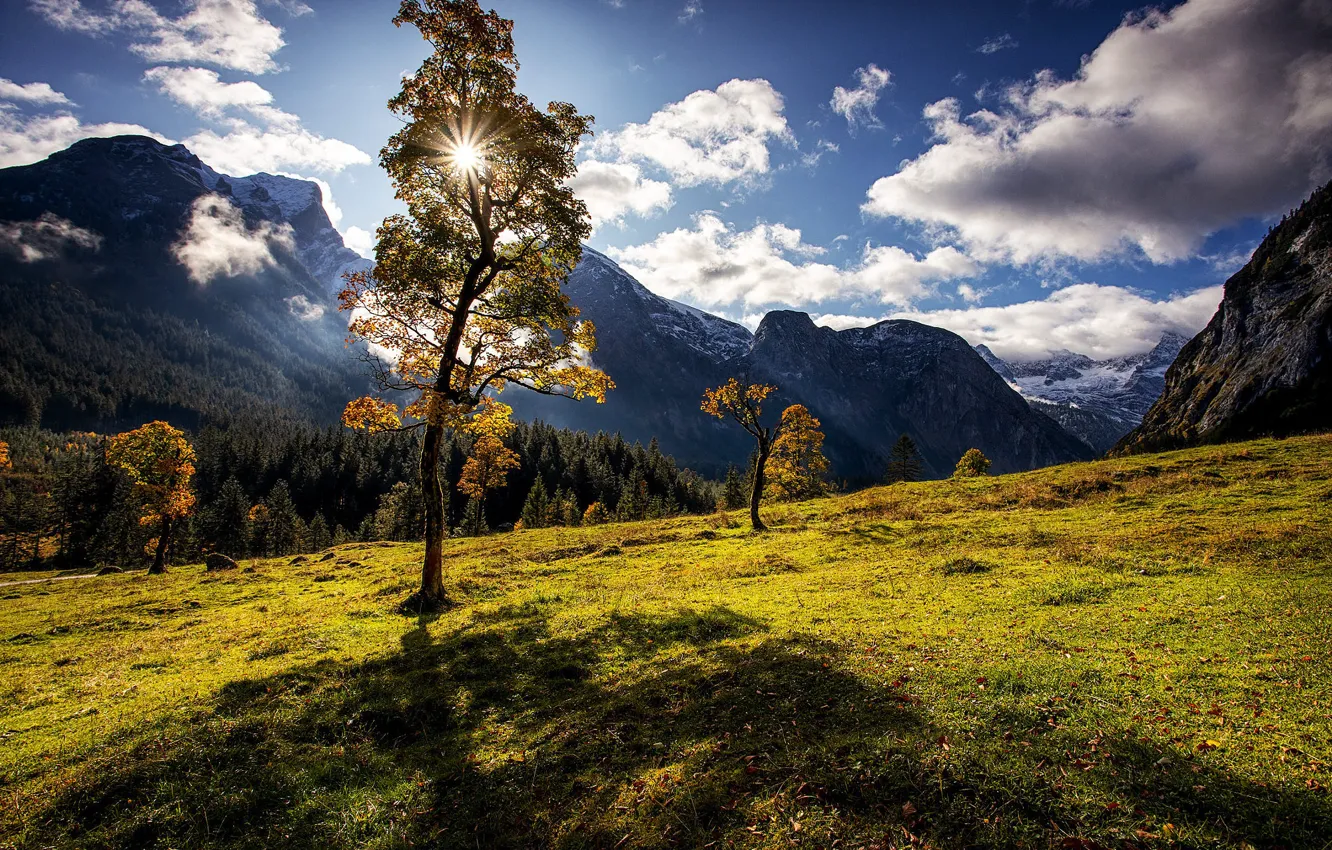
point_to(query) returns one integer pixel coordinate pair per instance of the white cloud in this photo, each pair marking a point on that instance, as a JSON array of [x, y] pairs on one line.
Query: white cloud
[[856, 105], [361, 241], [38, 93], [224, 33], [218, 243], [47, 237], [1179, 124], [692, 9], [202, 91], [1099, 321], [612, 190], [248, 149], [994, 45], [712, 136], [28, 139], [713, 265], [304, 309]]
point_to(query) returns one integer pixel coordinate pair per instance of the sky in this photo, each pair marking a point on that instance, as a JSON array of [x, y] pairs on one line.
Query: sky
[[1035, 175]]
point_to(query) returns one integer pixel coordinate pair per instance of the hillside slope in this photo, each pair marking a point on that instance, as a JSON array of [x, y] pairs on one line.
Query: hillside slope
[[1263, 365], [1128, 653]]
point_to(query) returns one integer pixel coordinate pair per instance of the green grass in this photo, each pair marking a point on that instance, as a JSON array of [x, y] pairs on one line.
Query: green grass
[[1130, 653]]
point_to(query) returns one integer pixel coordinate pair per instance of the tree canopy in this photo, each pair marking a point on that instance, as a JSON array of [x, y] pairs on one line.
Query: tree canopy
[[159, 462]]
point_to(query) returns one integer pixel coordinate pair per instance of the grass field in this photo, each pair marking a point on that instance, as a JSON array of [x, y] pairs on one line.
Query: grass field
[[1129, 653]]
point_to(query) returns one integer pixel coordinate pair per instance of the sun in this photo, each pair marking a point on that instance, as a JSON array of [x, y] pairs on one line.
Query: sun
[[467, 158]]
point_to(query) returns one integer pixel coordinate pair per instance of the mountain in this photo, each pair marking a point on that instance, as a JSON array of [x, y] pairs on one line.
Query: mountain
[[1263, 365], [104, 325], [1098, 401], [867, 385]]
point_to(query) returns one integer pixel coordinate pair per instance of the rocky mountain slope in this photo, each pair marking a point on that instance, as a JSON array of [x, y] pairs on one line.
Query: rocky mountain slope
[[867, 385], [1263, 365], [1098, 401], [103, 325]]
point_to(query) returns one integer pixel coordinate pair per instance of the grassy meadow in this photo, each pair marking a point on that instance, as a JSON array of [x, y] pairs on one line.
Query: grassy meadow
[[1127, 653]]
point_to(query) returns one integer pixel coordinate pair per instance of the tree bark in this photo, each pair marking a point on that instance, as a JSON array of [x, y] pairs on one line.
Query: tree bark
[[159, 557], [757, 493], [432, 492]]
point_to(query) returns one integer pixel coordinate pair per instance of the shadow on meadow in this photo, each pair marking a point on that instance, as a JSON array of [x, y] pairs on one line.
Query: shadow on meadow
[[507, 734]]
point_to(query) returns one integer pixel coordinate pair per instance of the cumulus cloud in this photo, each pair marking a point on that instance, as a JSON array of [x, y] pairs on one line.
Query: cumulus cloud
[[36, 93], [28, 139], [1179, 124], [612, 190], [1099, 321], [857, 104], [713, 265], [712, 136], [224, 33], [218, 243], [49, 236], [247, 149], [361, 241], [202, 91], [304, 309]]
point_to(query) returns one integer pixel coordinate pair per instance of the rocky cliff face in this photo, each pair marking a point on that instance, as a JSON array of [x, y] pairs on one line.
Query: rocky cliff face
[[1263, 365], [867, 385]]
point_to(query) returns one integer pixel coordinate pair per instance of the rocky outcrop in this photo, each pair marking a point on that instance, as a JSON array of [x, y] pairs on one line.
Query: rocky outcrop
[[1263, 365], [216, 562]]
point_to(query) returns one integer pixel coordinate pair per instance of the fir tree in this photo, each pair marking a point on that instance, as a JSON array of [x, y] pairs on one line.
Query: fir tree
[[903, 461], [734, 491], [536, 508], [474, 518], [284, 524]]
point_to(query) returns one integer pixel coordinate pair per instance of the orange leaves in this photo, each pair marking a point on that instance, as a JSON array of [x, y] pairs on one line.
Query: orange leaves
[[160, 462], [796, 466], [371, 414], [488, 467], [741, 402], [4, 456]]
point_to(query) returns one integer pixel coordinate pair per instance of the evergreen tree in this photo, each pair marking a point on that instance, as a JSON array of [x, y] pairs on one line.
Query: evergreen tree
[[536, 508], [285, 528], [319, 539], [733, 492], [596, 514], [225, 523], [903, 461], [474, 518], [633, 503]]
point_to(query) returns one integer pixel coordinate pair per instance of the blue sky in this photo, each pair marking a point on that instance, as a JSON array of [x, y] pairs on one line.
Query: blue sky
[[1034, 174]]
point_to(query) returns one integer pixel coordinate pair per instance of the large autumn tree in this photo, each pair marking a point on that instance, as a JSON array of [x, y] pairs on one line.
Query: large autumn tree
[[742, 402], [465, 292], [159, 462], [797, 467]]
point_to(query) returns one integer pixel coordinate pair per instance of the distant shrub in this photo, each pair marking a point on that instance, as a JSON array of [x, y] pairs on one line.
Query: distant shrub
[[972, 464], [596, 514]]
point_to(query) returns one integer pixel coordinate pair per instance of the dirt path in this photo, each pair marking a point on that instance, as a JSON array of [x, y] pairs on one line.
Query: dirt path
[[43, 580]]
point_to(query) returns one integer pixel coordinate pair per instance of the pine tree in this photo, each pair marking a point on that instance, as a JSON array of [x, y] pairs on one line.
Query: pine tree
[[226, 521], [536, 508], [284, 524], [318, 539], [474, 519], [733, 492], [633, 503], [903, 461]]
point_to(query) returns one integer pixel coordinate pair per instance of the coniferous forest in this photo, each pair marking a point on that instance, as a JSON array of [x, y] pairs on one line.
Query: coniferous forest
[[275, 489]]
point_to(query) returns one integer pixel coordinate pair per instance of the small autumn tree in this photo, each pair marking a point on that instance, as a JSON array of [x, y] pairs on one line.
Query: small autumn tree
[[972, 464], [466, 287], [743, 403], [159, 462], [4, 455], [903, 461], [487, 468], [797, 466]]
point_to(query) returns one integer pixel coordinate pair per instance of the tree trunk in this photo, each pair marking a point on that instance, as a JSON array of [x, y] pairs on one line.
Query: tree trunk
[[432, 492], [159, 558], [757, 493]]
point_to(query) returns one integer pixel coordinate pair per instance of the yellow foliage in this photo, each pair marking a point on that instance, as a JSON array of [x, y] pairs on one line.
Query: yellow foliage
[[797, 466], [160, 462], [371, 414], [741, 402], [972, 464], [596, 514], [488, 467], [4, 456]]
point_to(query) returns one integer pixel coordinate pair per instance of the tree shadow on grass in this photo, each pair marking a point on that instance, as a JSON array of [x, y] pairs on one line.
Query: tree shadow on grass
[[507, 733]]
